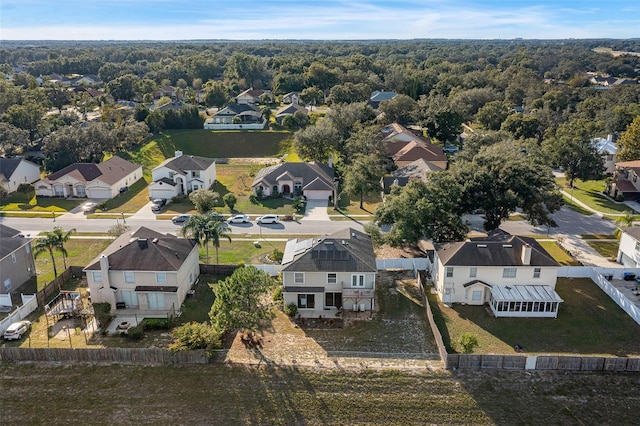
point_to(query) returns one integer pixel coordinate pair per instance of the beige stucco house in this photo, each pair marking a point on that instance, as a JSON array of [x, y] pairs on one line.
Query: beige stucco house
[[97, 181], [324, 275], [311, 180], [514, 275], [144, 273]]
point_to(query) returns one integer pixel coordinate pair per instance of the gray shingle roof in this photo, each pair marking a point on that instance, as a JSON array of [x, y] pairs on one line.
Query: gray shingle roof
[[308, 172], [497, 249], [8, 166], [146, 250], [347, 250], [6, 231], [187, 162], [110, 171], [634, 231]]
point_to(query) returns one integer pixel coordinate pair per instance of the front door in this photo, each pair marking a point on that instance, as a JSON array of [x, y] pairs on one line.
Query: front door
[[156, 300], [130, 298]]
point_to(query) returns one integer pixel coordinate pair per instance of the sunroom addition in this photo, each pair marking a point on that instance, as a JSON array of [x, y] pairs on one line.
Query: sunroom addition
[[524, 301]]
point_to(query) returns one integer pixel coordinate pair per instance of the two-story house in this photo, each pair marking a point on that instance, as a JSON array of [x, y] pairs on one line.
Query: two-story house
[[625, 183], [144, 273], [182, 174], [323, 275], [629, 247], [513, 274], [17, 265]]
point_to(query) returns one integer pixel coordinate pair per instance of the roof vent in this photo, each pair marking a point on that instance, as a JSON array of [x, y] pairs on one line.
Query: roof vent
[[142, 243], [481, 245], [507, 246], [177, 257], [154, 241], [507, 287]]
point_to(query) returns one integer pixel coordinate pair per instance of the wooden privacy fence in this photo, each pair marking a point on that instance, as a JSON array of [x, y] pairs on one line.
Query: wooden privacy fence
[[142, 356], [442, 350]]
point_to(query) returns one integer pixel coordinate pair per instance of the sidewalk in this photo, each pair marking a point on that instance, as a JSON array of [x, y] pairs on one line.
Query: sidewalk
[[583, 252]]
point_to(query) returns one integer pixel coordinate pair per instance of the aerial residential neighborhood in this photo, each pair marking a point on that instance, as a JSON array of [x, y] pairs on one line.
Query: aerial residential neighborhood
[[292, 225]]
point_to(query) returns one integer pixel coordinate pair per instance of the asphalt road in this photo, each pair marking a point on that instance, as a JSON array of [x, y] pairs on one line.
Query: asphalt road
[[569, 223]]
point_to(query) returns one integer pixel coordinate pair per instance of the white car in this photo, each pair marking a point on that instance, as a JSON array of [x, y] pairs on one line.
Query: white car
[[89, 207], [17, 329], [268, 218], [239, 218]]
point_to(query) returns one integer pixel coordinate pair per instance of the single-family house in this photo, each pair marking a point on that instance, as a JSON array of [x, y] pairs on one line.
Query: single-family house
[[378, 96], [324, 275], [402, 153], [98, 181], [607, 148], [235, 114], [291, 98], [312, 180], [182, 174], [629, 247], [625, 183], [289, 110], [416, 170], [17, 265], [514, 275], [168, 91], [88, 80], [145, 273], [174, 105], [14, 171], [250, 96]]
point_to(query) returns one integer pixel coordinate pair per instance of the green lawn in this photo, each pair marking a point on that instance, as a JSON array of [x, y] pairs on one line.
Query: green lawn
[[239, 251], [132, 200], [558, 253], [42, 204], [607, 249], [588, 322], [590, 193], [350, 205]]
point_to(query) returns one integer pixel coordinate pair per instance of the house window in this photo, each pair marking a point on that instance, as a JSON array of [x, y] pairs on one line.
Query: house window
[[7, 284], [357, 280], [161, 277], [473, 272], [13, 257], [28, 248], [449, 271], [129, 277], [536, 272], [195, 173], [509, 273], [476, 295], [307, 301], [332, 278], [155, 300], [97, 276], [298, 277], [333, 300]]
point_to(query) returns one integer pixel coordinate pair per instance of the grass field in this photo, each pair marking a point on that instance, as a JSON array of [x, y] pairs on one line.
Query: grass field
[[588, 322], [590, 193], [608, 249], [240, 252], [350, 205], [18, 202], [221, 394], [558, 253]]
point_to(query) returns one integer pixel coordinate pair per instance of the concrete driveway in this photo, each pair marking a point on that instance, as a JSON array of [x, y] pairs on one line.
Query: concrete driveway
[[316, 210]]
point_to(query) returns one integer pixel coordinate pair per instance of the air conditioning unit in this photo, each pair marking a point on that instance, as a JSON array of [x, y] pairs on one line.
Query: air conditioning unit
[[362, 307], [355, 307]]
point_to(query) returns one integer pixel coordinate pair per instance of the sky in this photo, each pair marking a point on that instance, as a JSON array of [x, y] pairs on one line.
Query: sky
[[317, 20]]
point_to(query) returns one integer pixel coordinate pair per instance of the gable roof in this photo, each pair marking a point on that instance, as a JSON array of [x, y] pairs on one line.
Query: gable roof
[[183, 163], [499, 248], [633, 231], [290, 109], [416, 169], [235, 109], [8, 232], [110, 171], [406, 152], [254, 93], [308, 172], [380, 96], [347, 250], [145, 250], [10, 241], [8, 166]]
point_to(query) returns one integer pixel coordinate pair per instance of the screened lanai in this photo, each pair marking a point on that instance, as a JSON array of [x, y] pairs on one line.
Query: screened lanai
[[524, 301]]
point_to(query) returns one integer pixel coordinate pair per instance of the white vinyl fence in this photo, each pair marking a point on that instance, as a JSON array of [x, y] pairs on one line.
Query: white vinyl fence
[[272, 270], [417, 264], [29, 304], [629, 307]]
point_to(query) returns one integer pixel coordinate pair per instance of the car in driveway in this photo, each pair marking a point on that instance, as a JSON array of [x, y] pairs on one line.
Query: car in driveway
[[450, 149], [268, 218], [239, 218], [89, 207], [158, 204], [181, 218], [17, 330]]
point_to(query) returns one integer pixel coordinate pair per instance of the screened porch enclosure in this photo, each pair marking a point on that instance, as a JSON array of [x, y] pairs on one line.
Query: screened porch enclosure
[[524, 301]]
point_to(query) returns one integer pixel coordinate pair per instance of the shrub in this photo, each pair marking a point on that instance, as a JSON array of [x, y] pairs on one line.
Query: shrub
[[620, 197], [102, 312], [291, 310], [195, 335], [136, 332], [156, 324], [468, 341], [253, 199], [277, 295], [276, 255]]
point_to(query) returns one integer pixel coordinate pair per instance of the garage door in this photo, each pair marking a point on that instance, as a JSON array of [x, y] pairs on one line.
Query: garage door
[[98, 193], [317, 194]]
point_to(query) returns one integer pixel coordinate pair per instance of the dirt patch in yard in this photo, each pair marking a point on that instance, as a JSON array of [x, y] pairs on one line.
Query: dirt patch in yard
[[388, 252]]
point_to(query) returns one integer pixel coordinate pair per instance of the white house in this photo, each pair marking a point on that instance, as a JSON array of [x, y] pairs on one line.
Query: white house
[[514, 274], [608, 149], [14, 171], [181, 175], [629, 248], [323, 275], [312, 180], [98, 181], [144, 273]]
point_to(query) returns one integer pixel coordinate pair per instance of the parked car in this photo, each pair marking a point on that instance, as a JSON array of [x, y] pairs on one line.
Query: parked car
[[182, 218], [239, 218], [123, 189], [268, 218], [450, 149], [17, 329], [158, 204], [89, 207]]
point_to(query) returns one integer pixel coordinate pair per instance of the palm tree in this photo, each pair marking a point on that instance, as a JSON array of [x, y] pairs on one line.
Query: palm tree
[[625, 221], [215, 231], [62, 238], [195, 228]]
